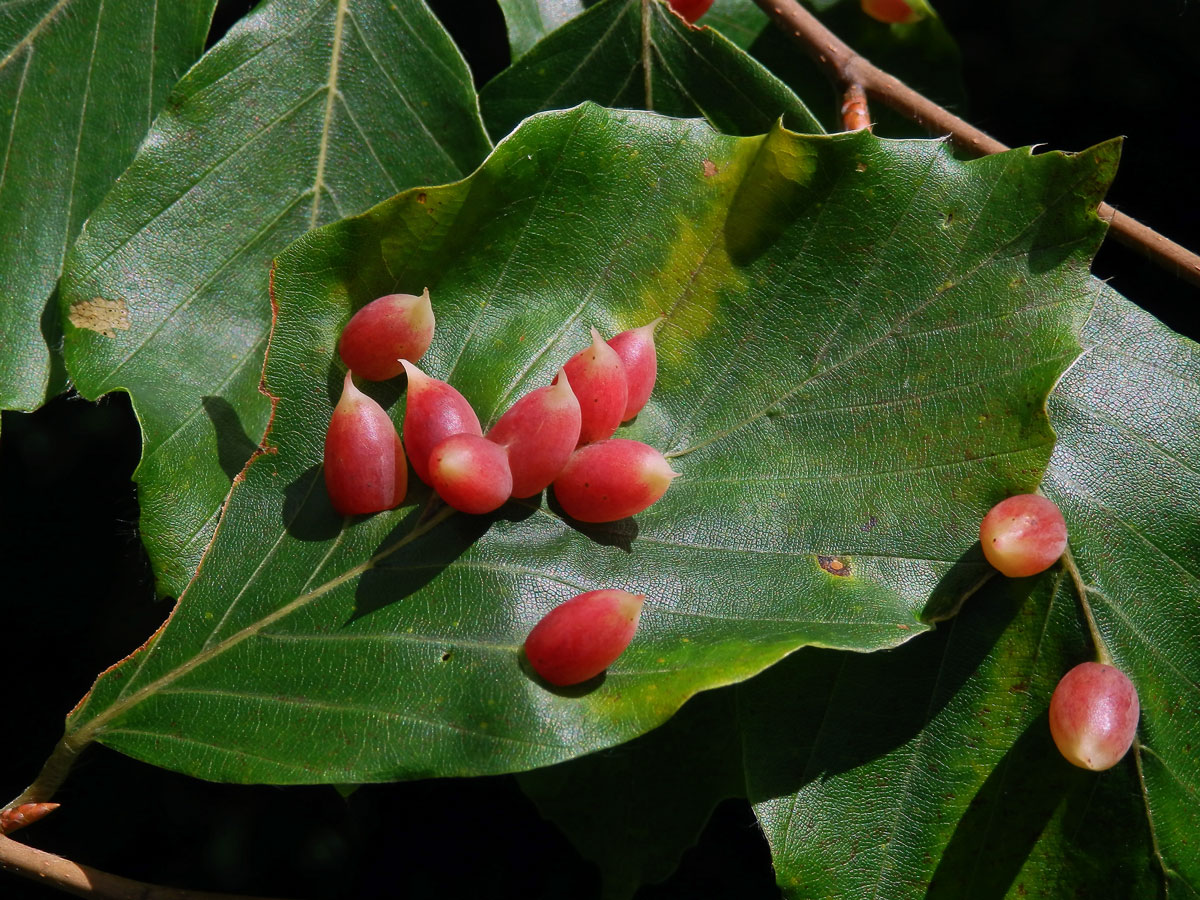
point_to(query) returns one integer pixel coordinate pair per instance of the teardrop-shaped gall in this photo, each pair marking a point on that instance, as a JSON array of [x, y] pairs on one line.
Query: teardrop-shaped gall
[[433, 411], [1094, 715], [612, 479], [597, 377], [582, 637], [470, 473], [638, 356], [365, 471], [378, 336], [539, 432]]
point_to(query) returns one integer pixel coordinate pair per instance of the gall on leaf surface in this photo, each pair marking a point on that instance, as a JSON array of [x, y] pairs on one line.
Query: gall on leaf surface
[[1126, 475], [860, 338], [927, 771], [956, 787]]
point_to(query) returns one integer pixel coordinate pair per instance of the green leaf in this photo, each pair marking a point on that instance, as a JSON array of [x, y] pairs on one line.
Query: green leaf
[[861, 336], [639, 54], [528, 21], [308, 110], [80, 81], [1126, 474], [928, 771], [739, 20]]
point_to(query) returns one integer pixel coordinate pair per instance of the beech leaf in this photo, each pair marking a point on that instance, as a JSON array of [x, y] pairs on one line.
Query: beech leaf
[[640, 54], [929, 771], [80, 81], [306, 111], [860, 338]]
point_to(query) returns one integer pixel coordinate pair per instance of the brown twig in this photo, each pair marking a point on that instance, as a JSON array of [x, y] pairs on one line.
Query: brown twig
[[849, 68], [84, 881]]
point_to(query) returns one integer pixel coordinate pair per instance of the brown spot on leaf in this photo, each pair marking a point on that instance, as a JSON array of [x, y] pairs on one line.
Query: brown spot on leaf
[[833, 565], [101, 316], [869, 524], [710, 168], [422, 197]]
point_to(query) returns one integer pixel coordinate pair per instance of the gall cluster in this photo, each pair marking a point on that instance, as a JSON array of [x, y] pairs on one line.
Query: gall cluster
[[560, 435]]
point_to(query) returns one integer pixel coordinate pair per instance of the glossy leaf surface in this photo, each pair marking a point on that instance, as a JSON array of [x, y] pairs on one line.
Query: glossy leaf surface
[[640, 55], [922, 772], [80, 82], [1126, 474], [847, 336], [739, 20], [929, 771], [307, 111], [528, 21]]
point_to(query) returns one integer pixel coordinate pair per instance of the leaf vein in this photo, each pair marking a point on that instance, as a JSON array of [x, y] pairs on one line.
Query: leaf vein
[[327, 119], [33, 32], [199, 289], [434, 140]]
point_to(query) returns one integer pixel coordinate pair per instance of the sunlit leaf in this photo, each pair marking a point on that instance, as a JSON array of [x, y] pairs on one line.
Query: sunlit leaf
[[1126, 474], [307, 111], [638, 54], [739, 20], [928, 771], [853, 368], [528, 21], [80, 82]]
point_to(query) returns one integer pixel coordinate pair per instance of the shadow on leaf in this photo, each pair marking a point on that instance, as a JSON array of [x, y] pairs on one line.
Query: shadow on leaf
[[815, 700], [621, 533], [308, 514], [969, 572], [418, 562], [234, 446], [1005, 818], [385, 393], [582, 689]]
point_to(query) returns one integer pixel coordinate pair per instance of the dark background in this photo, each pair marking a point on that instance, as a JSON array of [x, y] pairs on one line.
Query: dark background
[[1066, 74]]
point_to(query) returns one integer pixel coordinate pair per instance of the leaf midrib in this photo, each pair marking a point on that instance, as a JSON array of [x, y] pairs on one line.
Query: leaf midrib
[[330, 96], [85, 733]]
